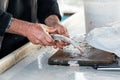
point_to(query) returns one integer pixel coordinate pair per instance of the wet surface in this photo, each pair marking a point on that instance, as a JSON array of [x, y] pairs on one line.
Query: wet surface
[[30, 69], [93, 57]]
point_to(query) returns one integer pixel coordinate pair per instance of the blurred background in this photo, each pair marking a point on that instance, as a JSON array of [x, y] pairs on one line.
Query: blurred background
[[69, 7]]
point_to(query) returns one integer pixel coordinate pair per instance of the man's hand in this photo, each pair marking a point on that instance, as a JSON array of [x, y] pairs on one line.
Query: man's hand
[[56, 28], [36, 33], [39, 33]]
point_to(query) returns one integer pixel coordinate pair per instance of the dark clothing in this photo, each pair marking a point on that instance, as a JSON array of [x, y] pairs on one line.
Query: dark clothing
[[21, 9]]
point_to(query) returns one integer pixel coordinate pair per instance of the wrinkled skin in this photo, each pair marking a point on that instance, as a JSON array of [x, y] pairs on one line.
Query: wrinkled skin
[[39, 33], [56, 28]]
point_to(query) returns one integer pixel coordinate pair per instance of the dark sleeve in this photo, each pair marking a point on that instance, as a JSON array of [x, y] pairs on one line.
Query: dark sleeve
[[47, 8], [4, 21]]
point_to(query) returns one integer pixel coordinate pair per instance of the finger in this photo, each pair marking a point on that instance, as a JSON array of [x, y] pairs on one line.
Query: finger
[[51, 30], [40, 39], [46, 40], [63, 43], [58, 45], [36, 41], [63, 31], [41, 43], [50, 40], [55, 47], [43, 40], [45, 43], [66, 33]]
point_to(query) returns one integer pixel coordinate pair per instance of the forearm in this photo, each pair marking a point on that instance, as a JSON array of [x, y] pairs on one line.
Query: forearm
[[36, 33], [18, 27]]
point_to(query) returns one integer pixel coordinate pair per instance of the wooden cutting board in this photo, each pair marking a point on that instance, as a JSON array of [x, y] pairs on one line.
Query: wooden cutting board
[[96, 57]]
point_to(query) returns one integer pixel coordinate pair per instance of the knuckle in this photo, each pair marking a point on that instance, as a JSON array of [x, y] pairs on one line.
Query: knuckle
[[45, 44], [36, 42], [50, 40]]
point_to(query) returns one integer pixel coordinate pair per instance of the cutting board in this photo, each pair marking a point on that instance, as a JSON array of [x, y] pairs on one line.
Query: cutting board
[[96, 57]]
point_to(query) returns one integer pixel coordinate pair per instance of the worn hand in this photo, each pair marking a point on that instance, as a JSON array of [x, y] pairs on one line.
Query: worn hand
[[34, 32], [37, 35], [56, 28], [59, 29]]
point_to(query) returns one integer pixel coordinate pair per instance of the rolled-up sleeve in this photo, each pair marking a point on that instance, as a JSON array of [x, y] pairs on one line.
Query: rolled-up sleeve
[[5, 19], [47, 8]]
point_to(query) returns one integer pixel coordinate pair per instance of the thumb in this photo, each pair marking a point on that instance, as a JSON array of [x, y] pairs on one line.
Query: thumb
[[51, 30]]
